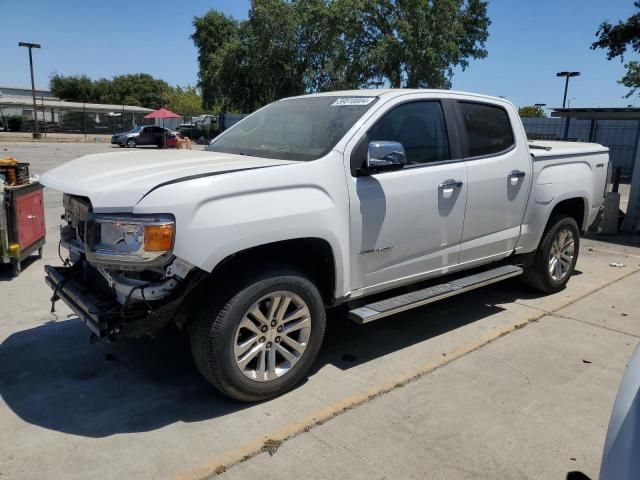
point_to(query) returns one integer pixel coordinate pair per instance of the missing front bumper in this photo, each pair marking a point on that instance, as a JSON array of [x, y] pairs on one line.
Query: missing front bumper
[[84, 292]]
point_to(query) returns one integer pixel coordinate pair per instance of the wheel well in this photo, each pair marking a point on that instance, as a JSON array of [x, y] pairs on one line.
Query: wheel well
[[311, 255], [573, 207]]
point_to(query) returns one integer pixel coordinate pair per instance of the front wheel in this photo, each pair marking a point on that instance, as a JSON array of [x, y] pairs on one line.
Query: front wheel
[[556, 257], [260, 339], [131, 143]]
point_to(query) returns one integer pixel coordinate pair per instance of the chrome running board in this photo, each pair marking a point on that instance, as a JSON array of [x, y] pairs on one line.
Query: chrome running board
[[391, 306]]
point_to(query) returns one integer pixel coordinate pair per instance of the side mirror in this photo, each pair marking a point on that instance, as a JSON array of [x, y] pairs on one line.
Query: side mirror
[[385, 156]]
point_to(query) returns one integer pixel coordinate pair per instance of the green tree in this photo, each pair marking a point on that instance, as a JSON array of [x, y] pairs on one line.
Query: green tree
[[616, 39], [137, 89], [421, 41], [287, 48], [133, 89], [532, 111], [75, 88], [217, 37], [185, 101]]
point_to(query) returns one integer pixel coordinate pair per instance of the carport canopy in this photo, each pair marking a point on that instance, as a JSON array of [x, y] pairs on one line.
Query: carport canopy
[[627, 113], [632, 218], [27, 102]]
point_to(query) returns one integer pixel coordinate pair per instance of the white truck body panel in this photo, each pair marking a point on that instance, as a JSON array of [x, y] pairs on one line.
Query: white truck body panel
[[567, 170], [115, 182], [403, 210], [496, 202], [238, 211], [384, 230]]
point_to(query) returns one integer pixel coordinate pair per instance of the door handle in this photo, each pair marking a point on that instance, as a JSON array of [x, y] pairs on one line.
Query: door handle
[[450, 185], [516, 174]]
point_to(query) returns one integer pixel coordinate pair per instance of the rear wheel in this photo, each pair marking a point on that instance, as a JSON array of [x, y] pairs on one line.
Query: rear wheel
[[556, 257], [260, 339]]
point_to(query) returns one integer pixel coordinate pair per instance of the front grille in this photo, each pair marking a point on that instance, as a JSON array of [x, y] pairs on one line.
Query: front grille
[[77, 212]]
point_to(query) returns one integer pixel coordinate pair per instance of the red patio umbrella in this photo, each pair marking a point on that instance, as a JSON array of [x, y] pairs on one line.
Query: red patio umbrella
[[162, 113]]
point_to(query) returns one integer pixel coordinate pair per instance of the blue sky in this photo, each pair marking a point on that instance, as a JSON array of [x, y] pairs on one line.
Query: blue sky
[[529, 41]]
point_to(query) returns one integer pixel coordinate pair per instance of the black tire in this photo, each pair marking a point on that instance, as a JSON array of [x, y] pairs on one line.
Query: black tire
[[131, 143], [537, 275], [214, 328]]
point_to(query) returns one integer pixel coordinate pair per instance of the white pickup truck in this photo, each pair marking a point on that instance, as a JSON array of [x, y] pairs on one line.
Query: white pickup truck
[[313, 202]]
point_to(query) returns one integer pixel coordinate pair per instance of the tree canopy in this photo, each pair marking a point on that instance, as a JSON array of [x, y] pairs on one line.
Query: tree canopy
[[185, 101], [291, 47], [138, 89], [616, 40], [532, 111]]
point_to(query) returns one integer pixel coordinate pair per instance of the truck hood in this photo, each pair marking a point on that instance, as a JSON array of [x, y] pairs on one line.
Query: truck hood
[[117, 181]]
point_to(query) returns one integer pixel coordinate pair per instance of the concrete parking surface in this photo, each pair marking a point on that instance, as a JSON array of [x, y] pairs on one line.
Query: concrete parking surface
[[55, 137], [498, 383]]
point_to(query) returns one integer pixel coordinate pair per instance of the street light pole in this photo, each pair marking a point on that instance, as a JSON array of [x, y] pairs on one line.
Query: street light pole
[[567, 75], [31, 46]]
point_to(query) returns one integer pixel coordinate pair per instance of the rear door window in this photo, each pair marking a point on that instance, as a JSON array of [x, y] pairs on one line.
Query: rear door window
[[488, 128]]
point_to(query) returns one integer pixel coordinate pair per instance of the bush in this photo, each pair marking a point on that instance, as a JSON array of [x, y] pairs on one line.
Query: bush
[[15, 123]]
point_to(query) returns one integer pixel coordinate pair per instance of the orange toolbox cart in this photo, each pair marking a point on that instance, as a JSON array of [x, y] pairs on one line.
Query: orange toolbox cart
[[22, 227]]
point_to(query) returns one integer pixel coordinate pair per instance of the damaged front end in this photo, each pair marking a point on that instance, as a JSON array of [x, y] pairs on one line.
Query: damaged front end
[[120, 277]]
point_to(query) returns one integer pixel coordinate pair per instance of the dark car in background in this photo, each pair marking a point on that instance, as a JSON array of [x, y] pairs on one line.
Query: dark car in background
[[143, 135]]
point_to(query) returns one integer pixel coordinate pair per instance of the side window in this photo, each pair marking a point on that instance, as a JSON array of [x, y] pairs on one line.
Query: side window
[[488, 128], [421, 129]]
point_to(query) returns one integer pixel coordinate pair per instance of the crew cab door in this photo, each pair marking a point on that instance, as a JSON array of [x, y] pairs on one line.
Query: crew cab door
[[499, 171], [407, 224]]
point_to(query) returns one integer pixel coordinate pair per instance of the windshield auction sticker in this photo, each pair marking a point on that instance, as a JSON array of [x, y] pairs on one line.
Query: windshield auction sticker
[[349, 101]]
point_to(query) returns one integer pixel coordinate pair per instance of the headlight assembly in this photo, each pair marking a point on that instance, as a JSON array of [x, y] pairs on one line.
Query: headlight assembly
[[129, 239]]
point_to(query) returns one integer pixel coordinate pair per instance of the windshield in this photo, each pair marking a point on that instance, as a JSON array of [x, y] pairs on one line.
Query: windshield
[[294, 129], [135, 130]]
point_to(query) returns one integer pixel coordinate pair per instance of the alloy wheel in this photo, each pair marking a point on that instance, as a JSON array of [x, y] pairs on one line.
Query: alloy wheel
[[272, 336], [561, 254]]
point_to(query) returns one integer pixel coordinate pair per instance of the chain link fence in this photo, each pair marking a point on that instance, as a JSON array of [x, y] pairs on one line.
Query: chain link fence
[[61, 120], [620, 136]]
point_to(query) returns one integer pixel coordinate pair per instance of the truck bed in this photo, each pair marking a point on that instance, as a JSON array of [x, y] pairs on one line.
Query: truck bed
[[544, 148]]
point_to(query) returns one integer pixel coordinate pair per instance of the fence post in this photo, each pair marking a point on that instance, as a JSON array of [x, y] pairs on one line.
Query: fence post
[[592, 129], [566, 128], [44, 118]]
